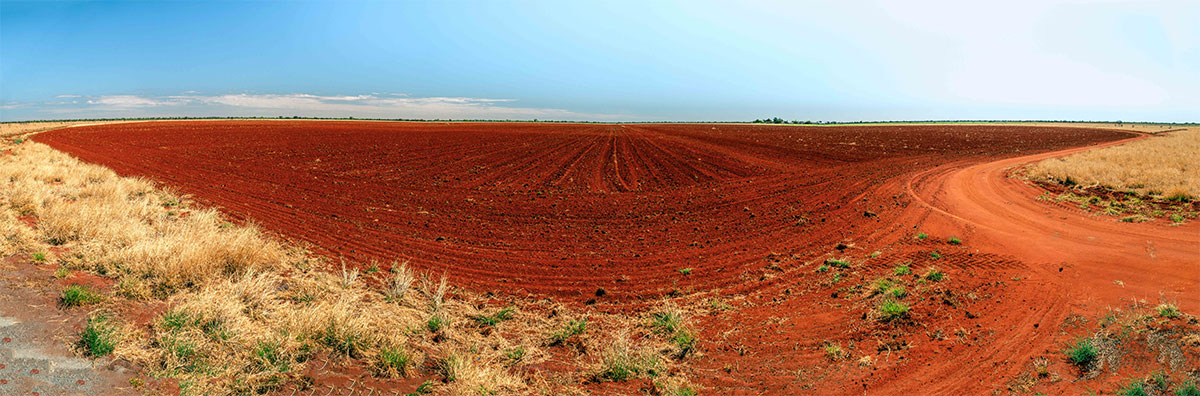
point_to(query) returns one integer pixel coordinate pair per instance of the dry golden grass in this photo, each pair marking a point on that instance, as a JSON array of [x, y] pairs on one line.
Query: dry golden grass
[[1167, 166], [246, 313]]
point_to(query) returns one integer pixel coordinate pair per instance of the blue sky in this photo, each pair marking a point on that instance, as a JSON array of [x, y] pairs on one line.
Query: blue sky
[[609, 60]]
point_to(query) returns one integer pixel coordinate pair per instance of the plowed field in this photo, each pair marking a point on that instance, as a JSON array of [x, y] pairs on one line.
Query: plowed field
[[555, 208]]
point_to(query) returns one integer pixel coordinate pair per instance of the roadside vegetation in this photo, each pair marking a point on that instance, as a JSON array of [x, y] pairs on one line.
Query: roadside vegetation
[[1156, 177]]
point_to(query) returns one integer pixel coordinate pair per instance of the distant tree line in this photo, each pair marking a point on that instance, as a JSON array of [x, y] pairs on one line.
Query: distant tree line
[[773, 120], [778, 120]]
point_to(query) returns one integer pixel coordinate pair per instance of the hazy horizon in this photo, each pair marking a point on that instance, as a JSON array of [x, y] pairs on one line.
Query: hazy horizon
[[604, 61]]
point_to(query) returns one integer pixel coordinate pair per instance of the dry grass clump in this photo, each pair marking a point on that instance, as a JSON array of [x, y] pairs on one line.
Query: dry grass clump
[[125, 228], [1166, 166]]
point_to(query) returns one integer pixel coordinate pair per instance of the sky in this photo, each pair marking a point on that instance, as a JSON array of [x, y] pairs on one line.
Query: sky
[[604, 60]]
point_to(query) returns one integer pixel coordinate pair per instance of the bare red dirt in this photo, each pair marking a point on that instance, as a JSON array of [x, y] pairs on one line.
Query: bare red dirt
[[565, 209], [550, 208]]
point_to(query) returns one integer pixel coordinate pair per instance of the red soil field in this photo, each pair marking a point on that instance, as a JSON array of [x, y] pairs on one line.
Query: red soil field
[[752, 210], [551, 208]]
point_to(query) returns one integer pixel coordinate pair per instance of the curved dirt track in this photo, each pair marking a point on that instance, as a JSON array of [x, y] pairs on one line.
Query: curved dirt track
[[551, 208], [1000, 213]]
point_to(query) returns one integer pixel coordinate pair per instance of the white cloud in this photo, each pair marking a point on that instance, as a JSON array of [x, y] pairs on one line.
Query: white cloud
[[67, 96], [127, 101], [387, 105]]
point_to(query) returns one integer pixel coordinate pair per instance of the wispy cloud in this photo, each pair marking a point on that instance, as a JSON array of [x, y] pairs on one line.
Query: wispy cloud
[[375, 105]]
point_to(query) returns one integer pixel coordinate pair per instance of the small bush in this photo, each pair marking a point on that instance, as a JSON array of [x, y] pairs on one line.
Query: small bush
[[954, 241], [98, 337], [78, 295], [922, 236], [891, 309], [1082, 354]]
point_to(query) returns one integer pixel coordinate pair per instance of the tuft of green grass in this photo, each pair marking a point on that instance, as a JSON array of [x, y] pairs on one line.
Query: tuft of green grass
[[435, 323], [1176, 218], [875, 254], [840, 263], [620, 364], [515, 354], [954, 241], [269, 355], [835, 352], [666, 322], [77, 295], [685, 271], [1135, 388], [935, 255], [684, 391], [718, 304], [39, 257], [1082, 353], [173, 320], [922, 236], [934, 274], [573, 327], [342, 342], [1169, 311], [62, 273], [902, 269], [424, 389], [836, 278], [394, 361], [891, 309], [98, 337], [1187, 389], [823, 268], [492, 320]]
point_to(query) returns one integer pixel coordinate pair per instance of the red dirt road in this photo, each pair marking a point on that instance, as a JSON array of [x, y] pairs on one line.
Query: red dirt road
[[1101, 258], [551, 208]]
